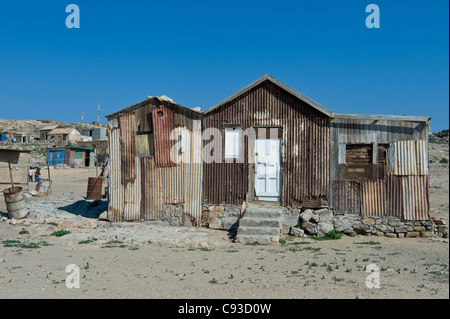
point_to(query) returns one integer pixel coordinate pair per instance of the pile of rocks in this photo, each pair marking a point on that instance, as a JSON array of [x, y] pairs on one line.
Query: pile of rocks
[[439, 137], [225, 217]]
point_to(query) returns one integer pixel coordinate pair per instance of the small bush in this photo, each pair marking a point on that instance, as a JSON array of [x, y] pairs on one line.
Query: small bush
[[443, 161]]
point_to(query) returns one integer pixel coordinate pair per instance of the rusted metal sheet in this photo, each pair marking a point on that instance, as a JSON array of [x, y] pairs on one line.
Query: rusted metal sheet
[[394, 196], [115, 208], [416, 204], [127, 146], [347, 197], [373, 197], [162, 117], [408, 158], [305, 160]]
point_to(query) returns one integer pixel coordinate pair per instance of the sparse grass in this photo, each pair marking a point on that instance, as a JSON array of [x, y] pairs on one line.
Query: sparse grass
[[83, 242], [60, 233], [371, 242], [332, 235], [24, 232]]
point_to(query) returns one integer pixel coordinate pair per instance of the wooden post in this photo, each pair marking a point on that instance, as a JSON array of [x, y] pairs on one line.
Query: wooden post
[[10, 175], [49, 179]]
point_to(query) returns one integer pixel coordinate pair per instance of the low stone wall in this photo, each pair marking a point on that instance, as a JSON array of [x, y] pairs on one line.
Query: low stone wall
[[308, 222], [320, 222]]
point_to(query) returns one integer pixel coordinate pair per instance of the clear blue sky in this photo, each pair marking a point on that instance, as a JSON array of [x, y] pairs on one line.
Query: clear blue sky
[[199, 52]]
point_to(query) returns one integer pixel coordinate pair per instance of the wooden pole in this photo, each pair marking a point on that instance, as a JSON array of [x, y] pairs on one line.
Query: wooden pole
[[49, 179], [10, 175]]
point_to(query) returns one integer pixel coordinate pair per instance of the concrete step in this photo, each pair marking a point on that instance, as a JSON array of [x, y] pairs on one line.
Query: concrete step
[[260, 222], [261, 240], [260, 231]]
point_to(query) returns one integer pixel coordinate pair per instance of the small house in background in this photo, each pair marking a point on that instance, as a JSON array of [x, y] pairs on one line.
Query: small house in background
[[100, 149], [144, 180], [96, 134], [43, 132], [64, 136], [72, 156]]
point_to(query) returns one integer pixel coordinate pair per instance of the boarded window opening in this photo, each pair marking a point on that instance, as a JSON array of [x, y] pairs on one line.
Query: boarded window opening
[[359, 153]]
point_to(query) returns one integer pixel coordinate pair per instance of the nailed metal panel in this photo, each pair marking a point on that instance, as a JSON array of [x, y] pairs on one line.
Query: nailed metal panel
[[162, 117], [415, 197], [128, 146], [394, 195], [408, 158], [193, 175], [373, 197], [347, 197], [115, 208]]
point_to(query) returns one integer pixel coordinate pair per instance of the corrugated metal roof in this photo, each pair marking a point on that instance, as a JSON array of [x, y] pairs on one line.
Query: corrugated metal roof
[[380, 117], [268, 77], [58, 131]]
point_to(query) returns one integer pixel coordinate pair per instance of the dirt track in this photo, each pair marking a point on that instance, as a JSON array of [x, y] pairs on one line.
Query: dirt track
[[301, 268]]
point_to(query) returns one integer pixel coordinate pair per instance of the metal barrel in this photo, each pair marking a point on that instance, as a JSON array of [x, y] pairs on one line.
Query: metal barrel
[[94, 190], [43, 187], [15, 203]]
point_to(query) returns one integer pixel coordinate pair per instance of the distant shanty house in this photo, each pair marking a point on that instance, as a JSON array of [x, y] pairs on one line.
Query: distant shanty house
[[100, 149], [145, 180], [43, 132], [64, 136], [97, 133], [16, 137], [72, 156]]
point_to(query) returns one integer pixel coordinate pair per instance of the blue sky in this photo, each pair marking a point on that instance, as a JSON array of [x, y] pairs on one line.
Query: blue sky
[[199, 52]]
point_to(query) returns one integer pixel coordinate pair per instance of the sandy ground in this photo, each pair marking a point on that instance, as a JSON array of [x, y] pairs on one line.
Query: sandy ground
[[301, 268]]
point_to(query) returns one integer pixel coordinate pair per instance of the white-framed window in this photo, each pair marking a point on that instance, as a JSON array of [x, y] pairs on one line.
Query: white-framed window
[[232, 142]]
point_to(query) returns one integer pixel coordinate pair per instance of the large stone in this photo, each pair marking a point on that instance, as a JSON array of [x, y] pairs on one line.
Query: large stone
[[326, 215], [310, 228], [400, 230], [291, 221], [412, 234], [343, 224], [230, 223], [297, 232], [419, 228], [390, 235], [369, 221], [306, 215], [426, 234], [323, 228], [215, 223], [385, 228], [173, 221], [103, 216]]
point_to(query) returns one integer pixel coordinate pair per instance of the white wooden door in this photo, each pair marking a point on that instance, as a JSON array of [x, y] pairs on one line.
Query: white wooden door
[[267, 169]]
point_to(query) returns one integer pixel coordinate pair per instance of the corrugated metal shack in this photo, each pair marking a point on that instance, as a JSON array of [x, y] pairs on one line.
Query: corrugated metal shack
[[379, 165], [296, 127], [143, 175]]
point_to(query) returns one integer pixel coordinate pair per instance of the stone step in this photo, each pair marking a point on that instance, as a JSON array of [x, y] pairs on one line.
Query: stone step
[[261, 240], [260, 222], [263, 213], [263, 231]]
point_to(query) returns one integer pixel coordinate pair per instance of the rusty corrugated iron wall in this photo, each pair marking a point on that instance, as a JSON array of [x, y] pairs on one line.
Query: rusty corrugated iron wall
[[140, 186], [347, 197], [304, 146]]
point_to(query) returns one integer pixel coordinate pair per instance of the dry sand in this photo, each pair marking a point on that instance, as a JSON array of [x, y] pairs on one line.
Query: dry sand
[[218, 268]]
